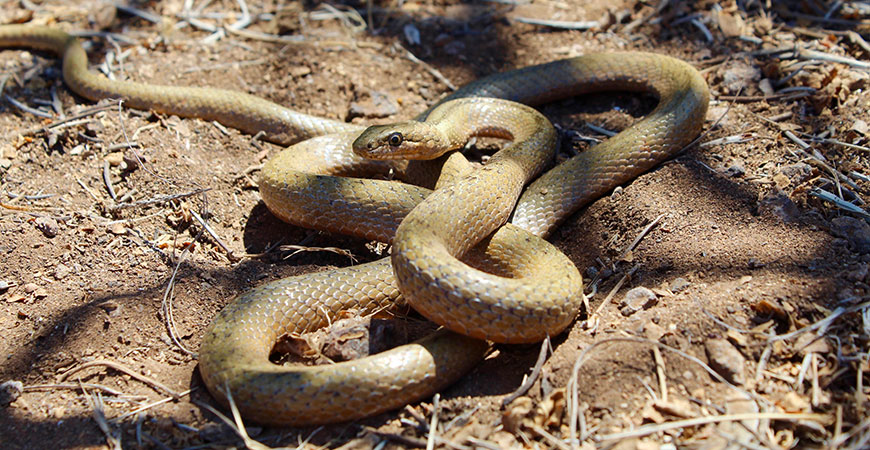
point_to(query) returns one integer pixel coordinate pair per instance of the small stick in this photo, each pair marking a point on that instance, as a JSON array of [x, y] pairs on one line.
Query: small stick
[[816, 55], [433, 424], [153, 18], [113, 437], [601, 130], [657, 428], [398, 438], [480, 442], [123, 369], [88, 191], [166, 305], [616, 288], [78, 386], [560, 24], [27, 109], [660, 372], [107, 179], [164, 199], [764, 98], [69, 121], [552, 440], [640, 236], [152, 405], [700, 25], [838, 202], [530, 380], [214, 235], [235, 424], [433, 71], [735, 139], [301, 248]]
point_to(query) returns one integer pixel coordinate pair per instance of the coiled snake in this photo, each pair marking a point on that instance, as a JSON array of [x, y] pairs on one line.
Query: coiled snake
[[533, 289]]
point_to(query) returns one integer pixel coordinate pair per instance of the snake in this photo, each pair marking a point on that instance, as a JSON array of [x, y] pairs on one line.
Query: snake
[[453, 258]]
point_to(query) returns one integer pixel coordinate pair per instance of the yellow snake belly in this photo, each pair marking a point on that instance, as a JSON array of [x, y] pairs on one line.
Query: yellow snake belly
[[235, 349]]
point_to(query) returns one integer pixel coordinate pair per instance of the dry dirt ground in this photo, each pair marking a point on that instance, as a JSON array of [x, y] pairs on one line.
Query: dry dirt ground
[[751, 275]]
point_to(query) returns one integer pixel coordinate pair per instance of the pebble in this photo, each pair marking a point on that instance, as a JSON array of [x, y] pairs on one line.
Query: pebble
[[375, 105], [726, 360], [9, 392], [811, 343], [778, 203], [736, 169], [739, 76], [637, 299], [47, 226], [679, 284], [61, 271], [855, 231], [30, 288]]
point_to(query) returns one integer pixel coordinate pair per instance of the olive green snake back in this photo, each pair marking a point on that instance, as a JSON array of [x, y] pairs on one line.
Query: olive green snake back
[[299, 186]]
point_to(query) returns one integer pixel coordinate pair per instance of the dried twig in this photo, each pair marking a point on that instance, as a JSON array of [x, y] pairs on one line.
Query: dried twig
[[433, 424], [646, 430], [560, 24], [214, 235], [123, 369], [530, 380], [164, 199]]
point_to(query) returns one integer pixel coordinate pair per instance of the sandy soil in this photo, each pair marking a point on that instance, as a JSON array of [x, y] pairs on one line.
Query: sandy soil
[[743, 249]]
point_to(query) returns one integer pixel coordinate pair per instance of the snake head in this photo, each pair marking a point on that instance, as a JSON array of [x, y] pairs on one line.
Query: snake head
[[408, 140]]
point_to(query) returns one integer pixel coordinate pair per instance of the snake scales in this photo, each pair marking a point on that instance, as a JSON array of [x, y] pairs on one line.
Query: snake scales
[[306, 185]]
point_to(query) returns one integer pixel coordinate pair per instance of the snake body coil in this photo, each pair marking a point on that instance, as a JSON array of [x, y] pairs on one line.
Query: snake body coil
[[300, 186]]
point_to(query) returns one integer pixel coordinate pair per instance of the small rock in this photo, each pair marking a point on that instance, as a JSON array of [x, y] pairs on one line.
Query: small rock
[[739, 76], [794, 403], [375, 105], [118, 229], [454, 48], [616, 192], [114, 159], [778, 203], [637, 299], [4, 285], [132, 161], [797, 172], [299, 71], [47, 226], [10, 391], [111, 307], [859, 273], [679, 284], [735, 170], [653, 331], [676, 407], [738, 403], [30, 288], [860, 126], [591, 272], [61, 271], [216, 432], [855, 231], [5, 163], [726, 360], [811, 343], [766, 86]]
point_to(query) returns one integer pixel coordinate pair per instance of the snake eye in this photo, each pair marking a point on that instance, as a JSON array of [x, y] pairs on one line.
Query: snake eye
[[395, 139]]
